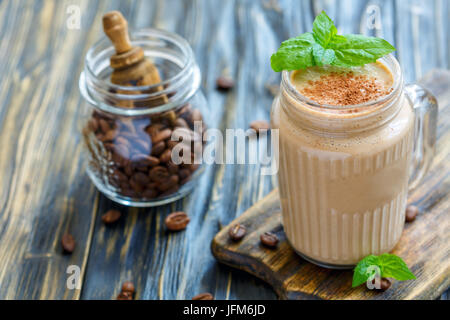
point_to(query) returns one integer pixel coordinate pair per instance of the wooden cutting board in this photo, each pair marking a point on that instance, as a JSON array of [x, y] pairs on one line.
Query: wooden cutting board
[[424, 245]]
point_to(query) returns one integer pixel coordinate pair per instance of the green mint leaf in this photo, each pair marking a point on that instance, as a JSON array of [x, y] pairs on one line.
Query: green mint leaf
[[361, 273], [325, 47], [395, 267], [322, 56], [359, 50], [295, 53], [390, 266], [323, 29]]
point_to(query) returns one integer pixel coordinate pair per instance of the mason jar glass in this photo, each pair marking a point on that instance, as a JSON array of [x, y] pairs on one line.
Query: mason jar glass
[[345, 171], [143, 144]]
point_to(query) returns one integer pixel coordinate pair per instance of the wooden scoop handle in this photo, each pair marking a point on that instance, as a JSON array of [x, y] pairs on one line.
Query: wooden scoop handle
[[116, 28]]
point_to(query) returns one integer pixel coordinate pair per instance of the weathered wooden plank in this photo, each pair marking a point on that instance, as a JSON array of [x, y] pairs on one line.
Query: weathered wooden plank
[[424, 245], [43, 193]]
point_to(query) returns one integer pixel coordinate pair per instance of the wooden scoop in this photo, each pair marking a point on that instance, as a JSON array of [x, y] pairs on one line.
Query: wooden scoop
[[131, 68]]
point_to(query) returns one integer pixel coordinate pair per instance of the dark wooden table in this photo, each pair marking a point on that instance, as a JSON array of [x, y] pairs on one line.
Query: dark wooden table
[[46, 192]]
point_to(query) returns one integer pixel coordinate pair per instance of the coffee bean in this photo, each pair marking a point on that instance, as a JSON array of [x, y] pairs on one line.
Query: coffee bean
[[136, 186], [168, 183], [93, 124], [224, 83], [193, 167], [68, 243], [128, 169], [172, 167], [269, 239], [149, 193], [140, 178], [181, 123], [204, 296], [411, 213], [165, 156], [110, 135], [171, 144], [120, 175], [125, 296], [128, 286], [104, 125], [237, 232], [170, 191], [122, 151], [111, 216], [129, 193], [184, 173], [177, 221], [384, 284], [260, 125], [142, 160], [161, 136], [158, 174], [184, 181], [154, 128], [158, 148]]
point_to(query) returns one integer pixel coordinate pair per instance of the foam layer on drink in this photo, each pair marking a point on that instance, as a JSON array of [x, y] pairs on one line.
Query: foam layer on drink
[[339, 86]]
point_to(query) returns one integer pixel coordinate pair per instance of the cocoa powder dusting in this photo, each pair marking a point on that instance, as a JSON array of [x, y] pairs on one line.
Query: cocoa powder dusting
[[344, 89]]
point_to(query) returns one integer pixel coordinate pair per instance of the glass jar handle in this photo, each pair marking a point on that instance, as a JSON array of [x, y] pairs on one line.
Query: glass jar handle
[[426, 109]]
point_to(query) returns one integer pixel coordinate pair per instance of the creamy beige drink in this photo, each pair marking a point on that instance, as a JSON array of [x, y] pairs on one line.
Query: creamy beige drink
[[345, 148]]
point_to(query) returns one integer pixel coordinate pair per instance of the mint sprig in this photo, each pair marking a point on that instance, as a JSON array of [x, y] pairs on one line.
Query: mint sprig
[[324, 46], [390, 265]]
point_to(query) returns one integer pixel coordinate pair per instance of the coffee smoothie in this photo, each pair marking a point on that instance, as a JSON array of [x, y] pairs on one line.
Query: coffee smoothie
[[345, 147]]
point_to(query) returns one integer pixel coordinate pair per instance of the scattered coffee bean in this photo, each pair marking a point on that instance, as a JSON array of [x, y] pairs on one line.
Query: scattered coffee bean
[[68, 243], [411, 213], [111, 216], [237, 232], [260, 125], [204, 296], [384, 284], [125, 296], [128, 286], [224, 83], [177, 221], [269, 239]]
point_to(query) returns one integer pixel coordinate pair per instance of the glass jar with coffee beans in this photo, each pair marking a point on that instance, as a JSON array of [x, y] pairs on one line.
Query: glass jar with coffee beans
[[143, 118]]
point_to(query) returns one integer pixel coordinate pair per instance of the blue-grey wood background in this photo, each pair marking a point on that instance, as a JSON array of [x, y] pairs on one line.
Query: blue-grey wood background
[[45, 191]]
